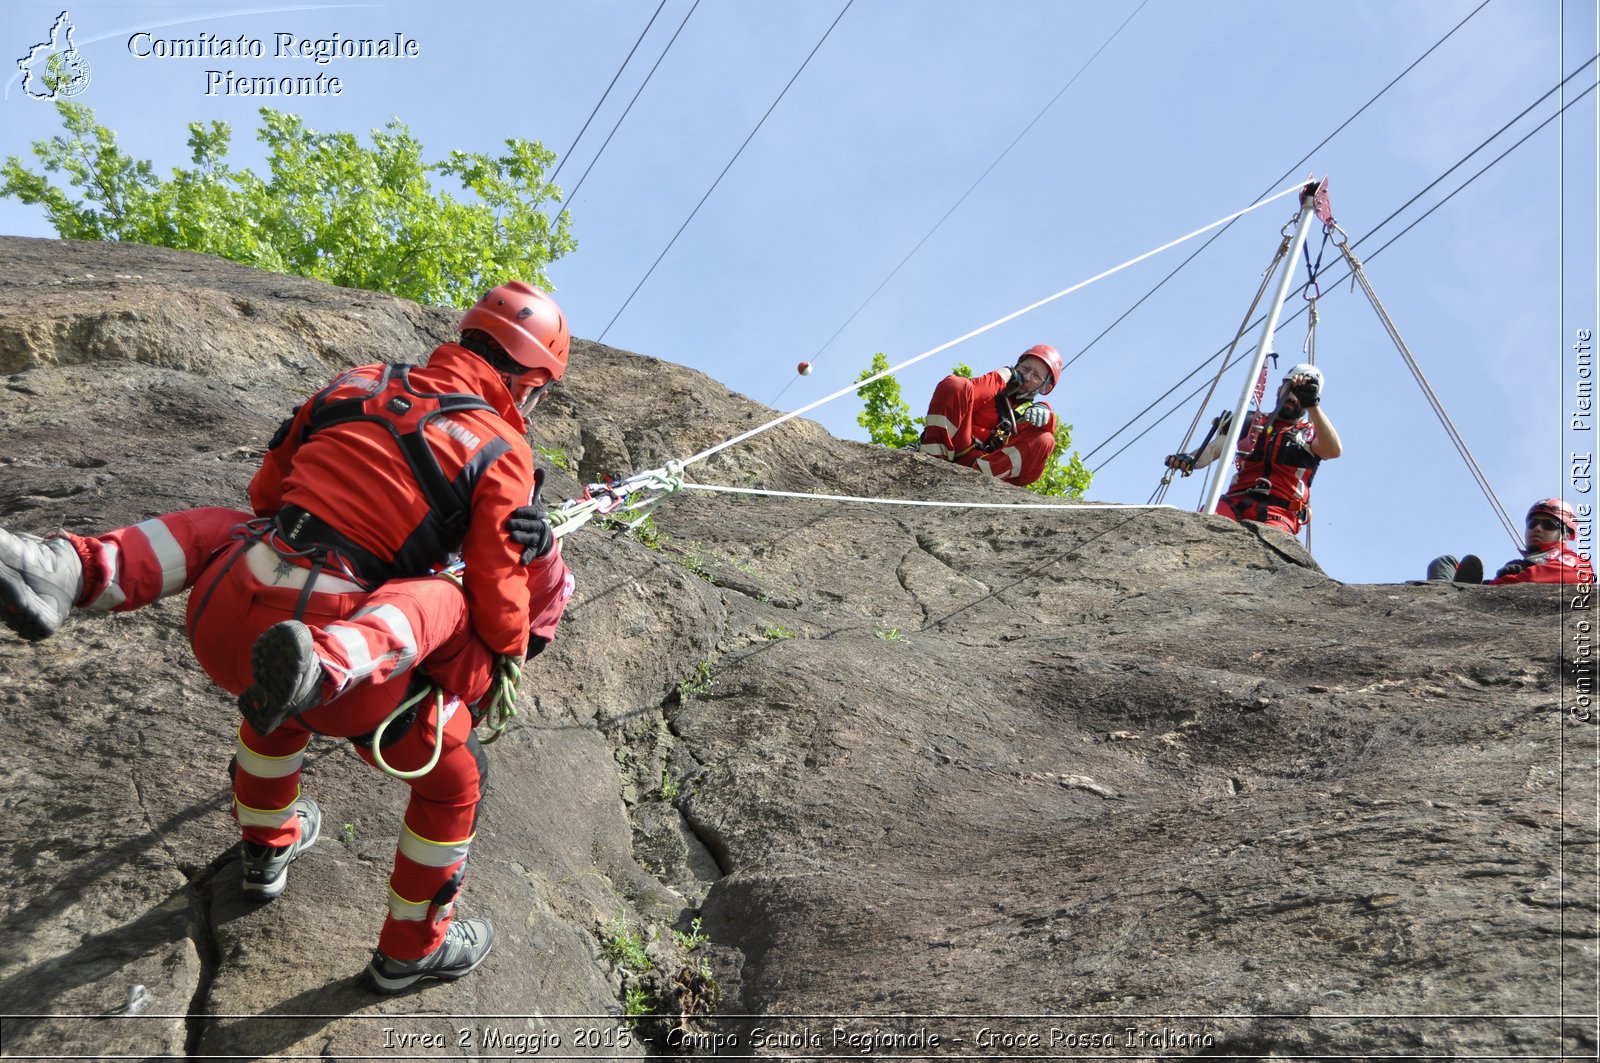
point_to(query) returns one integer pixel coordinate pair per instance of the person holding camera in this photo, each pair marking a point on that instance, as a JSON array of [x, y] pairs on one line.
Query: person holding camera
[[1278, 454]]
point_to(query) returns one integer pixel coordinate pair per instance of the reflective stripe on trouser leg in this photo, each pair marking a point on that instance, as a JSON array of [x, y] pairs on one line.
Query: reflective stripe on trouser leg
[[266, 782], [947, 427], [132, 567], [430, 860], [399, 624]]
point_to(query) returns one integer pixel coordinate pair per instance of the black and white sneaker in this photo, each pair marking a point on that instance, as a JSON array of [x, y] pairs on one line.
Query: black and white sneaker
[[266, 867], [465, 945], [288, 676], [39, 581]]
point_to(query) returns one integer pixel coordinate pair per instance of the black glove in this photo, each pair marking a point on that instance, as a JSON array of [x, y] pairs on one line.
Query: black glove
[[1308, 393], [529, 525], [1512, 568], [1184, 463]]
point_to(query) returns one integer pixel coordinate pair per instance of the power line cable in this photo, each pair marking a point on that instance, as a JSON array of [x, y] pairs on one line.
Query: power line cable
[[1381, 248], [606, 93], [725, 170], [973, 187], [567, 206], [1279, 180]]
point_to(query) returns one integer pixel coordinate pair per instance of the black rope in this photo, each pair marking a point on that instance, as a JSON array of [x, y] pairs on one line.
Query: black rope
[[637, 92], [606, 93], [626, 302], [1373, 232], [1277, 181]]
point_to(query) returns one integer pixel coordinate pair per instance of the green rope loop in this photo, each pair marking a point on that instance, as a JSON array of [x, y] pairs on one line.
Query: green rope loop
[[438, 733], [503, 696]]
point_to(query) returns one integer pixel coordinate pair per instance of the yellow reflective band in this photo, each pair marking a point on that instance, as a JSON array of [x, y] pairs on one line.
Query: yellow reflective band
[[263, 817], [409, 911], [264, 767], [433, 854]]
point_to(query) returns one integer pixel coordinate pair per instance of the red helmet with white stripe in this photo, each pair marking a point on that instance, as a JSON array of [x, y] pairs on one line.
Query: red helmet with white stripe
[[526, 323], [1557, 508]]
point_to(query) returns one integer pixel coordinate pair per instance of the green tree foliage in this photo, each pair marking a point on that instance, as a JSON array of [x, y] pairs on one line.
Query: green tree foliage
[[329, 207], [889, 423], [885, 415]]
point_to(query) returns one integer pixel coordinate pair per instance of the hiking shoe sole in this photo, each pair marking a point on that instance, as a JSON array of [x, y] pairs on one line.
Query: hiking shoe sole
[[288, 676]]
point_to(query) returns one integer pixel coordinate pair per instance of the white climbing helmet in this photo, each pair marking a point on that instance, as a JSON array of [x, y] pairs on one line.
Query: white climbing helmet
[[1304, 369]]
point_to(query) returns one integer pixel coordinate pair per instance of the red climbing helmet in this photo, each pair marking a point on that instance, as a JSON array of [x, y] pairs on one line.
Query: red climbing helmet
[[1052, 360], [1557, 508], [526, 323]]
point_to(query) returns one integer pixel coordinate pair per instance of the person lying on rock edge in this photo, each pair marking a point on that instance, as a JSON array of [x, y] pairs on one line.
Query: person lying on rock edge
[[995, 423], [316, 608], [1546, 557], [1278, 454]]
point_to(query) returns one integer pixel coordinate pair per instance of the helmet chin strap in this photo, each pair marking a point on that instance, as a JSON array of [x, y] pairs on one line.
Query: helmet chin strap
[[532, 396]]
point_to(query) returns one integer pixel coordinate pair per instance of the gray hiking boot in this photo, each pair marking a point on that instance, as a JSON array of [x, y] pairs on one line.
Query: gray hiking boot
[[39, 581], [288, 676], [266, 867], [465, 945]]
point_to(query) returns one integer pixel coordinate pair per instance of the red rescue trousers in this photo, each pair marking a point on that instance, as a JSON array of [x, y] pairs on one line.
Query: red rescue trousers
[[241, 588]]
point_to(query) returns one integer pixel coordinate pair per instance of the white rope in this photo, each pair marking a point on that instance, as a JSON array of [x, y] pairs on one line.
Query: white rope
[[985, 328], [915, 502]]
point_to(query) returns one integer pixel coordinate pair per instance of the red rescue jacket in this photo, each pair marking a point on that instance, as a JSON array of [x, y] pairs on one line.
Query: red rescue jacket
[[352, 475], [1559, 564], [1280, 465]]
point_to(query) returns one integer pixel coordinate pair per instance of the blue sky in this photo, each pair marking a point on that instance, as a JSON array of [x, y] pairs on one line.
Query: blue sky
[[1191, 112]]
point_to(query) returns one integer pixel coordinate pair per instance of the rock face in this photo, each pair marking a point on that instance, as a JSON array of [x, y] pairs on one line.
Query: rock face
[[1084, 783]]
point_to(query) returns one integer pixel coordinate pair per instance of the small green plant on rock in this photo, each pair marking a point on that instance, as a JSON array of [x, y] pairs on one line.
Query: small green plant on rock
[[889, 634], [777, 632], [699, 684], [625, 948], [555, 456], [693, 939], [637, 1006], [347, 834], [669, 786]]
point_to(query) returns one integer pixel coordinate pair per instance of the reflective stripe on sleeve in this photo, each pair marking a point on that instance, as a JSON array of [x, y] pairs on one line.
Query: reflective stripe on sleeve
[[934, 420]]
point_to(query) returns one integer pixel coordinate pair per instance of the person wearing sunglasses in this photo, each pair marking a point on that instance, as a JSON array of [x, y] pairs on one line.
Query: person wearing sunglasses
[[1546, 557], [996, 423]]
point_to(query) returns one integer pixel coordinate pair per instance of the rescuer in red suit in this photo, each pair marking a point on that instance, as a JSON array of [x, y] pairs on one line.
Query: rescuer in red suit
[[995, 423], [316, 608], [1545, 559], [1279, 454]]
